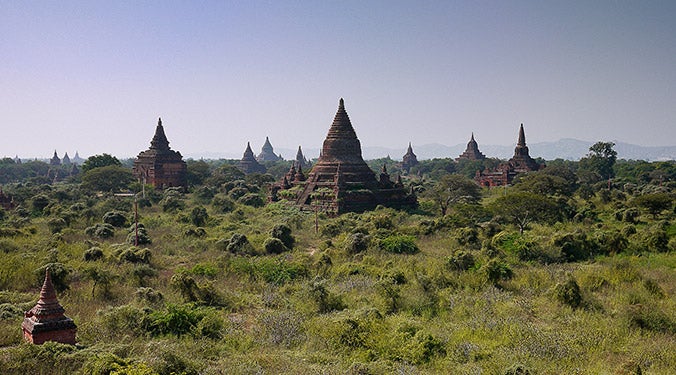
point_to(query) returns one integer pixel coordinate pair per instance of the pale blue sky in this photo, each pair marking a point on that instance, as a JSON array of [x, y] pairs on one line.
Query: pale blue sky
[[93, 76]]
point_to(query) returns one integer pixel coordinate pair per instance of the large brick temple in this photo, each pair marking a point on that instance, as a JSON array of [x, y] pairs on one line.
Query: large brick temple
[[46, 321], [341, 181], [161, 166]]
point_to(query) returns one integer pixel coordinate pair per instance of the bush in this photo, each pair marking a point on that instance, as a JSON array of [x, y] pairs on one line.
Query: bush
[[176, 319], [274, 246], [199, 216], [222, 203], [149, 295], [325, 301], [251, 199], [356, 243], [568, 293], [239, 244], [115, 218], [276, 271], [461, 261], [133, 255], [56, 224], [283, 233], [399, 244], [496, 271], [92, 254], [100, 230]]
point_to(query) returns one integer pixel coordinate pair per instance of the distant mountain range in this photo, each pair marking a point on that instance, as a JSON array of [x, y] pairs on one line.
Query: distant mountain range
[[567, 148]]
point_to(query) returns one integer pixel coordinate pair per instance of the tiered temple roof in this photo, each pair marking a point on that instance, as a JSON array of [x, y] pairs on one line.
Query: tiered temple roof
[[409, 159], [267, 152], [55, 159], [249, 164], [161, 166], [66, 159], [301, 160], [341, 181], [504, 173], [46, 320], [472, 151]]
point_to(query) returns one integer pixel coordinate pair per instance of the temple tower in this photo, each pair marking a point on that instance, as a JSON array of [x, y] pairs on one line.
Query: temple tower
[[267, 152], [300, 159], [472, 151], [46, 321], [521, 161], [249, 164], [161, 166], [409, 159], [55, 159], [341, 181]]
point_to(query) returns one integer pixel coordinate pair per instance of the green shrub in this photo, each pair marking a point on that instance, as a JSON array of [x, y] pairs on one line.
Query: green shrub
[[568, 293], [251, 199], [149, 295], [8, 246], [133, 255], [239, 244], [100, 230], [199, 216], [496, 271], [222, 204], [271, 270], [460, 261], [324, 300], [92, 254], [175, 319], [283, 233], [56, 224], [399, 244], [356, 243], [274, 246], [651, 318], [115, 218]]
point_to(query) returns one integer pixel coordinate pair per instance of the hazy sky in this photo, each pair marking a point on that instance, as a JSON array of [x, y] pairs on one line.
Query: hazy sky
[[94, 76]]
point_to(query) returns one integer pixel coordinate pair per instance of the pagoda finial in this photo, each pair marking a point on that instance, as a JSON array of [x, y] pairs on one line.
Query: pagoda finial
[[341, 103], [522, 137], [159, 121], [159, 141], [472, 138]]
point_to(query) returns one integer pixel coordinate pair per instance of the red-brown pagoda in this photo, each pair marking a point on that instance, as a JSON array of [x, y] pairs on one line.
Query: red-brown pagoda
[[161, 166], [503, 175], [409, 159], [249, 164], [46, 321], [472, 151], [341, 181]]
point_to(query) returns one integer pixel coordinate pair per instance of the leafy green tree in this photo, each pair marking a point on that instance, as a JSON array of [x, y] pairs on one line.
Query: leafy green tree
[[523, 208], [198, 171], [545, 184], [98, 161], [109, 178], [199, 216], [599, 162], [453, 189], [655, 203]]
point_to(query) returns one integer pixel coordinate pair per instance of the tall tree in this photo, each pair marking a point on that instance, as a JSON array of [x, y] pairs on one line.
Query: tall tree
[[599, 162], [98, 161], [524, 208], [452, 189]]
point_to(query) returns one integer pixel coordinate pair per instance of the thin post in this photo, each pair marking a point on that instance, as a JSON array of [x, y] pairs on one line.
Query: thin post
[[136, 221]]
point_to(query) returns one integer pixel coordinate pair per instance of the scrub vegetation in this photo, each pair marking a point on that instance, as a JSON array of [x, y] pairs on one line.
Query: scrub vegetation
[[565, 271]]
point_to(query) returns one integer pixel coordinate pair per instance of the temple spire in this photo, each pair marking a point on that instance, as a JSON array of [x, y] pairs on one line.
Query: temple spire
[[159, 141], [522, 137]]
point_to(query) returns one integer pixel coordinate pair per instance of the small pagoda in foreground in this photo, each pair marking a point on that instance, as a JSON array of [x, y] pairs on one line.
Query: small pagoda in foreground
[[341, 181], [46, 321]]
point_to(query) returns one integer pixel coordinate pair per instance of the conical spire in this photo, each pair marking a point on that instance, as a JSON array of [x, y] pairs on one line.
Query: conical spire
[[341, 143], [248, 152], [159, 141], [341, 126], [48, 305], [410, 149], [522, 137]]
